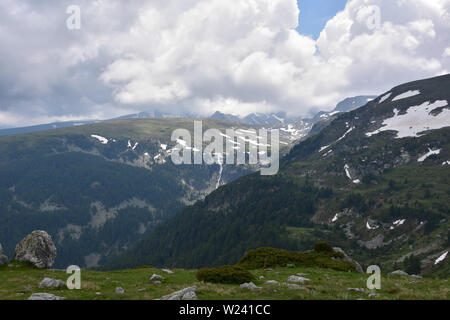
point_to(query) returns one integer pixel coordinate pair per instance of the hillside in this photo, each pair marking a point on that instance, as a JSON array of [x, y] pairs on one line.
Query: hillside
[[100, 187], [375, 182]]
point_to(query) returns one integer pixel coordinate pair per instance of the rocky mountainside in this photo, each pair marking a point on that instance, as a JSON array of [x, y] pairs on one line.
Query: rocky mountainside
[[374, 181]]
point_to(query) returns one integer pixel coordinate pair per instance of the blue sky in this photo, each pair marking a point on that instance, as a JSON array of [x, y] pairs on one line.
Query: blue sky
[[314, 14]]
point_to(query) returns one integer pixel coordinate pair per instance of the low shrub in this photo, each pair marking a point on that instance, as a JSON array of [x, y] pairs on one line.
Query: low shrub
[[323, 256], [268, 258], [225, 275], [323, 247]]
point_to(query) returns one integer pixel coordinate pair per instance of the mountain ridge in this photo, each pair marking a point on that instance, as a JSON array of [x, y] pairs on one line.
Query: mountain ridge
[[368, 194]]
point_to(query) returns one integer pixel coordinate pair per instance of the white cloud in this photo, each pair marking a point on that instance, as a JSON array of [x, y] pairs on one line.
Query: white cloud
[[205, 55]]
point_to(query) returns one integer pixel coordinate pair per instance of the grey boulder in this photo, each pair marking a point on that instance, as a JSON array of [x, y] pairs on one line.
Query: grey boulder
[[119, 290], [250, 286], [155, 277], [297, 279], [399, 273], [36, 248], [167, 271], [185, 294], [44, 296], [52, 283]]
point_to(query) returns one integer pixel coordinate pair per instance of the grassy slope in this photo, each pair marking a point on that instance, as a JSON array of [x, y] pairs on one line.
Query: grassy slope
[[18, 283], [130, 128]]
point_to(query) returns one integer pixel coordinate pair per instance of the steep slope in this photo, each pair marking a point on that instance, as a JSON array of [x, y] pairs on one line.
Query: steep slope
[[375, 181]]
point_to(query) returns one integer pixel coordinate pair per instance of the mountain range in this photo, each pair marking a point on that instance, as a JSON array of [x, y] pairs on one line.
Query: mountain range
[[370, 176], [374, 181], [253, 119]]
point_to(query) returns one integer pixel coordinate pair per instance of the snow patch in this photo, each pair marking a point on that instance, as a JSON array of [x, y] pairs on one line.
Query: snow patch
[[397, 223], [347, 172], [164, 146], [441, 258], [385, 97], [220, 162], [336, 217], [407, 94], [417, 119], [430, 153], [279, 119], [102, 140], [345, 134], [327, 153], [369, 227]]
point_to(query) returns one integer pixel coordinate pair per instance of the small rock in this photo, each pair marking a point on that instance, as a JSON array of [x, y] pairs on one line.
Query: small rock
[[269, 269], [250, 286], [400, 273], [416, 276], [167, 271], [272, 282], [119, 290], [373, 295], [44, 296], [52, 283], [98, 293], [297, 279], [262, 278], [302, 274], [142, 290], [155, 277], [157, 282], [361, 290], [181, 295]]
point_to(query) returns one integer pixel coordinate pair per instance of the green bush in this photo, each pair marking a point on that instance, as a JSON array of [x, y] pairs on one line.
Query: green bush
[[323, 247], [225, 275], [268, 258], [321, 257]]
